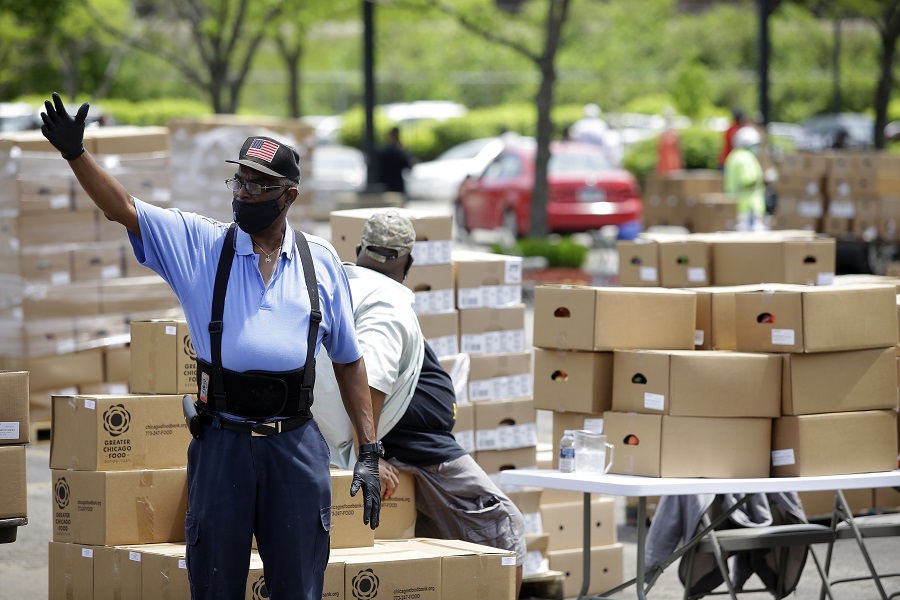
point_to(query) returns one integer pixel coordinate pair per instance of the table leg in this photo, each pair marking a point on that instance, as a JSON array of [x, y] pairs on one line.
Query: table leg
[[641, 543], [586, 548]]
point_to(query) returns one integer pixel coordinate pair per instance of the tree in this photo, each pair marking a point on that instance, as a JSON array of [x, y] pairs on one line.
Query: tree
[[211, 42], [534, 31]]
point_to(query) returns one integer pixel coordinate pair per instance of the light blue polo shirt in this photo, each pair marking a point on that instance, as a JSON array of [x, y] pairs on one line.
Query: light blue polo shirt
[[264, 326]]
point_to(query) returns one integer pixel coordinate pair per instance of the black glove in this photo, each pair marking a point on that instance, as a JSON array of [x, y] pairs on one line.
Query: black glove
[[65, 133], [365, 476]]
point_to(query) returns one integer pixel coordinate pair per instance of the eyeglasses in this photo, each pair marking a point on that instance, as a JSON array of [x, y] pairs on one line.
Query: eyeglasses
[[234, 184]]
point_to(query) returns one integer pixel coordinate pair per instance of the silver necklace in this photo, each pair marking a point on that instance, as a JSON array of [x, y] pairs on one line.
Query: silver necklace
[[269, 254]]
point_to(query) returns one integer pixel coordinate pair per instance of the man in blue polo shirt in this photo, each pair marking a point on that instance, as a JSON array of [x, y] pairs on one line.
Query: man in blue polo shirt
[[258, 464]]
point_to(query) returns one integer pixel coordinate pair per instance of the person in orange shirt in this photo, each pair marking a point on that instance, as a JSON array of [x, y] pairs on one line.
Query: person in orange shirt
[[669, 152], [739, 119]]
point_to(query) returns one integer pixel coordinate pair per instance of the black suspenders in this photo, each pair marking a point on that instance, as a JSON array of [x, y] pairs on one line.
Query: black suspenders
[[223, 271]]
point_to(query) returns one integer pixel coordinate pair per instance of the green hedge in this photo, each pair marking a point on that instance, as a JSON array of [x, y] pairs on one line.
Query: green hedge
[[560, 251]]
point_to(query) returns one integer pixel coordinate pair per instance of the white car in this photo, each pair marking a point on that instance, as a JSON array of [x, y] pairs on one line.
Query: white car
[[336, 170], [440, 178]]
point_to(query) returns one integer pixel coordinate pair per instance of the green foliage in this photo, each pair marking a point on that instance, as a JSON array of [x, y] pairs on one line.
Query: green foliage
[[699, 150], [153, 112], [691, 89], [560, 251], [652, 104]]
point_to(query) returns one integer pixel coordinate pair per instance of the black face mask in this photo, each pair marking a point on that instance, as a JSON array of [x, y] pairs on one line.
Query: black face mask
[[253, 217]]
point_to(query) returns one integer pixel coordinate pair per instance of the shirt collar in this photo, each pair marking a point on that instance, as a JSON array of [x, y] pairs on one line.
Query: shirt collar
[[243, 243]]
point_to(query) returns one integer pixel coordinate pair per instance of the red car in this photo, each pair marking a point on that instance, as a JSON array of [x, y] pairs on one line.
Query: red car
[[585, 192]]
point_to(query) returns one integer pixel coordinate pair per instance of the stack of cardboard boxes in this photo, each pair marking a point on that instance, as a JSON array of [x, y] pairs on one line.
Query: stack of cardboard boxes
[[692, 198], [14, 434], [71, 282], [840, 193]]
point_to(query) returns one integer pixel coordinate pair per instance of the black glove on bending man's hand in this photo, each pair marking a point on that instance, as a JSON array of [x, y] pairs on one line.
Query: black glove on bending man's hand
[[365, 476], [64, 132]]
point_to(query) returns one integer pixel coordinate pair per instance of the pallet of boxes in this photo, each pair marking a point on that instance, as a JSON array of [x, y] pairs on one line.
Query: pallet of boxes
[[693, 199], [14, 434], [70, 281], [120, 496]]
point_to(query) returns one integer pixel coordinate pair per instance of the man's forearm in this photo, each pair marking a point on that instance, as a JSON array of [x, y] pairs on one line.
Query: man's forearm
[[108, 194], [354, 386]]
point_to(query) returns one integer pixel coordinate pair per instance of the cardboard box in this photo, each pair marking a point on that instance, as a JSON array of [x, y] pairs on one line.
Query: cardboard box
[[333, 587], [65, 370], [117, 363], [433, 287], [703, 339], [494, 461], [441, 331], [666, 446], [747, 259], [14, 492], [163, 360], [135, 295], [564, 523], [505, 425], [165, 572], [50, 301], [697, 383], [715, 316], [573, 381], [606, 568], [434, 233], [471, 570], [46, 264], [821, 503], [492, 330], [130, 140], [528, 501], [384, 571], [487, 280], [500, 377], [638, 262], [347, 528], [117, 573], [398, 513], [464, 428], [816, 319], [70, 569], [117, 508], [588, 318], [14, 422], [97, 261], [829, 382], [683, 262], [834, 443], [118, 433]]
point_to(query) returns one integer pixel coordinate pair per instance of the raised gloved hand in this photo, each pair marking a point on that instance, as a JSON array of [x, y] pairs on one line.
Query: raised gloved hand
[[64, 132], [365, 476]]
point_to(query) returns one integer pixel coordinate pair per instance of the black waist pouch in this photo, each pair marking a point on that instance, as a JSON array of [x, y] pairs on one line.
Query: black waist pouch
[[257, 394]]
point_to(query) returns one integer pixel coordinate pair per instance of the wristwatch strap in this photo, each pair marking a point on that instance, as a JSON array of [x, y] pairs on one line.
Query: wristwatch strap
[[375, 447]]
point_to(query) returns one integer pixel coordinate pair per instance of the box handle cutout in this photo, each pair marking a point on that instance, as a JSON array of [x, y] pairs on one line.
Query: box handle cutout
[[765, 318], [683, 260], [562, 312], [639, 378], [631, 440], [423, 287], [636, 260], [508, 421], [809, 260], [559, 376]]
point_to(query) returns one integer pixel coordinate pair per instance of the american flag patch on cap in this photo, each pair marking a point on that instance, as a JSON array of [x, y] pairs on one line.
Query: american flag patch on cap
[[263, 149]]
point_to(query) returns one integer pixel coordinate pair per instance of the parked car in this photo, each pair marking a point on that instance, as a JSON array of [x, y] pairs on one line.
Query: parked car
[[820, 132], [336, 170], [439, 179], [18, 116], [585, 192]]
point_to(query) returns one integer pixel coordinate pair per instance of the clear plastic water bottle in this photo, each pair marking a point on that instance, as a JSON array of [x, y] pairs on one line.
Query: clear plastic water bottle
[[567, 452]]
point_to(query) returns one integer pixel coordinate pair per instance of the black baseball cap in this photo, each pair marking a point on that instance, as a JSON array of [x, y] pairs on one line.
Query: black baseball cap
[[270, 157]]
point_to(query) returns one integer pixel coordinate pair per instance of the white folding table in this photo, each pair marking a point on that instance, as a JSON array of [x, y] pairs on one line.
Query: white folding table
[[642, 487]]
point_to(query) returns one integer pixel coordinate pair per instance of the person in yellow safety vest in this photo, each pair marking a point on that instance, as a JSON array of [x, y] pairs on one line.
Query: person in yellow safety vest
[[744, 179]]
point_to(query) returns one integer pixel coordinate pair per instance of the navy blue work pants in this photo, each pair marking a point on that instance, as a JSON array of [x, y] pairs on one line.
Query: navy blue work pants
[[277, 487]]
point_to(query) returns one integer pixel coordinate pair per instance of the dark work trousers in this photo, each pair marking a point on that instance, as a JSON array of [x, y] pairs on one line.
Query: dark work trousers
[[277, 487]]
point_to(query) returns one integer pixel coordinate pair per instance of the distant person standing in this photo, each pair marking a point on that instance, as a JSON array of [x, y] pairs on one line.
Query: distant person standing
[[739, 119], [744, 179], [592, 129], [393, 160], [669, 150]]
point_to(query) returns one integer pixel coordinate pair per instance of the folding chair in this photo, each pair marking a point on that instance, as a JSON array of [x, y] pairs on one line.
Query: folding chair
[[721, 543], [859, 528]]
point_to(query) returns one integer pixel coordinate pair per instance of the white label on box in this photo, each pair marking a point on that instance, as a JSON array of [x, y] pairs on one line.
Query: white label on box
[[480, 390], [134, 556], [533, 523], [648, 274], [696, 274], [811, 209], [60, 278], [444, 346], [812, 189], [595, 425], [87, 552], [508, 561], [782, 337], [90, 404], [473, 343], [182, 564], [842, 209], [110, 272], [654, 401], [487, 439], [824, 278], [512, 341], [843, 189], [470, 298], [65, 346], [506, 437], [535, 563], [699, 336], [466, 440], [59, 201], [171, 329], [513, 271], [432, 253], [782, 458], [9, 430]]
